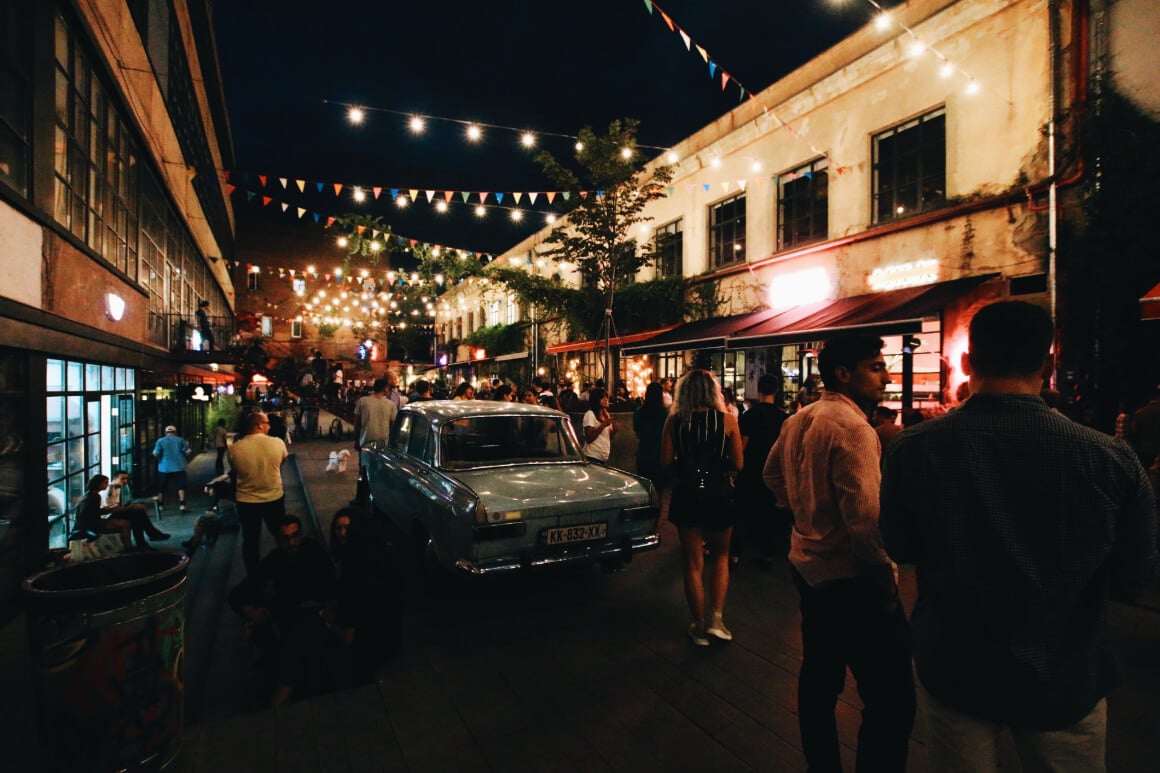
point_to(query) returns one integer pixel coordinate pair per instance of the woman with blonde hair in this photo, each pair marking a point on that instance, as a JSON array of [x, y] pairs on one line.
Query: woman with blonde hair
[[702, 446]]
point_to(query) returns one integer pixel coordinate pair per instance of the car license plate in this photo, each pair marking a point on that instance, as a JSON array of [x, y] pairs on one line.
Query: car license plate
[[581, 533]]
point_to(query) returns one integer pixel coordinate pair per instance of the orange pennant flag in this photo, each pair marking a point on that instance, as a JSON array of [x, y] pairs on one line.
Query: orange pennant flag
[[724, 79], [551, 196], [266, 200], [337, 188], [447, 196], [361, 228], [583, 194], [668, 21], [377, 190]]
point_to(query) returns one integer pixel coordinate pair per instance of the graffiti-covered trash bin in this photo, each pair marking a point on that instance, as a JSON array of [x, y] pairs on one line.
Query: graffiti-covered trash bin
[[108, 645]]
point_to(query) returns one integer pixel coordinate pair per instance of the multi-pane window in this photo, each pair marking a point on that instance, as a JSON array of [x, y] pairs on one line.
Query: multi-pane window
[[493, 313], [95, 163], [513, 310], [803, 199], [910, 167], [254, 279], [727, 231], [15, 93], [669, 246], [295, 328]]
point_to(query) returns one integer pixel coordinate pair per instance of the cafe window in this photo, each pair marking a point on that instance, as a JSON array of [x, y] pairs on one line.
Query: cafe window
[[15, 93]]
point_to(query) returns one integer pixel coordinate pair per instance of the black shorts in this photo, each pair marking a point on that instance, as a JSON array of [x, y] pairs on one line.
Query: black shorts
[[693, 509]]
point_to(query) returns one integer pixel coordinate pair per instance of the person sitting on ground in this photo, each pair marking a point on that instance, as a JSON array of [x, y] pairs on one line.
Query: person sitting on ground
[[293, 590], [369, 613]]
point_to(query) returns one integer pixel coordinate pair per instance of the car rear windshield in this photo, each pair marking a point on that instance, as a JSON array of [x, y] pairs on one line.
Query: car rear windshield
[[488, 440]]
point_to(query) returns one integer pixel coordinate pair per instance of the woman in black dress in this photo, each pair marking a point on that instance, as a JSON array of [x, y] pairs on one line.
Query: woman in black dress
[[702, 446]]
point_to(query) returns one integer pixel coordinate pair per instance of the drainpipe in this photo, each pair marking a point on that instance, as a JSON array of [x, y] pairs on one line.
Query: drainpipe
[[1052, 201]]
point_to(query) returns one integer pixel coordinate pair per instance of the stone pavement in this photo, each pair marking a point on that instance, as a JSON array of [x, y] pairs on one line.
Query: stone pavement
[[569, 671]]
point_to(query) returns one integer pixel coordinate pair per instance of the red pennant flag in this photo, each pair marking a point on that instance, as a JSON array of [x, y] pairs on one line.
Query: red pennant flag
[[266, 200], [583, 194], [230, 189], [377, 190], [414, 242], [337, 188], [262, 180], [724, 79], [226, 175], [361, 228], [329, 222], [482, 197]]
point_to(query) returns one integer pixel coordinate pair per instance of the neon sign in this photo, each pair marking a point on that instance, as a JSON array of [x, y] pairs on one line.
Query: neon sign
[[899, 275]]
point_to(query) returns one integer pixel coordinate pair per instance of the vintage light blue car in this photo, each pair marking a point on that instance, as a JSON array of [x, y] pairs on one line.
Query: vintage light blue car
[[493, 487]]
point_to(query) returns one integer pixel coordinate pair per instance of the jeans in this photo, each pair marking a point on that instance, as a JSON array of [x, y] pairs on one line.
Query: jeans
[[849, 623], [959, 742], [252, 515]]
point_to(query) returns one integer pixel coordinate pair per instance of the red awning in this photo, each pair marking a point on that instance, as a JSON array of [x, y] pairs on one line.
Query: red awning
[[589, 346], [885, 313], [1150, 304], [702, 334]]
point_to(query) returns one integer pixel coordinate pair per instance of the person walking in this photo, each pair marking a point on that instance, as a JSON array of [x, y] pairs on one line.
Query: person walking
[[759, 520], [171, 452], [203, 326], [374, 415], [701, 445], [221, 441], [648, 422], [257, 459], [1020, 522], [825, 467]]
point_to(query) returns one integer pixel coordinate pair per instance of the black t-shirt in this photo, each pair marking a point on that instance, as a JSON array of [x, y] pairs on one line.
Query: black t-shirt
[[761, 424]]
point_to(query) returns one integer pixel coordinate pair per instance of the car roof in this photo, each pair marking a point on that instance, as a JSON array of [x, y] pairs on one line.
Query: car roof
[[447, 410]]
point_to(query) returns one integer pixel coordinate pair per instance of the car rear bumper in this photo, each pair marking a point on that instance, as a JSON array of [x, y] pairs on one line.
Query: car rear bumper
[[570, 556]]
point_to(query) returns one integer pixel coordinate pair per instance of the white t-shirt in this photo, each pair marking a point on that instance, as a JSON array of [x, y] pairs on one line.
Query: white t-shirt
[[601, 447]]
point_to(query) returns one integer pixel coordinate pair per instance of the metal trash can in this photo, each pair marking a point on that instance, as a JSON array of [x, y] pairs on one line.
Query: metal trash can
[[108, 646]]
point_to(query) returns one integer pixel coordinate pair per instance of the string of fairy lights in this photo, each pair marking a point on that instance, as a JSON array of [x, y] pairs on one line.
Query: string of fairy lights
[[482, 203]]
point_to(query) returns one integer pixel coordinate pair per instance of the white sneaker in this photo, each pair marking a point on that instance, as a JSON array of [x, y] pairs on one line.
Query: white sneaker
[[697, 635], [717, 630]]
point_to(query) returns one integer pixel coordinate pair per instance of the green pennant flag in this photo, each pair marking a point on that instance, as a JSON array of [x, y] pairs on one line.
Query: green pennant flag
[[648, 5]]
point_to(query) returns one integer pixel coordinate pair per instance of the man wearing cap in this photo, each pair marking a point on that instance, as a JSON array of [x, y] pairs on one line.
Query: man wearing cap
[[171, 452]]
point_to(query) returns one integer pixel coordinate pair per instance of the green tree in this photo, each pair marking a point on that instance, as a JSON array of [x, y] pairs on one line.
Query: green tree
[[597, 235]]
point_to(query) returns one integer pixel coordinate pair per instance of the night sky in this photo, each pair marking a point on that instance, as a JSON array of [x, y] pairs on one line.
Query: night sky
[[544, 66]]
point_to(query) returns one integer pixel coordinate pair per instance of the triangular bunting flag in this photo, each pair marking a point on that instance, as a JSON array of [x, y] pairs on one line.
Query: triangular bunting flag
[[301, 212], [741, 184], [742, 97], [688, 40], [724, 79], [704, 54], [712, 69], [499, 198], [583, 194], [725, 186], [315, 216], [361, 229], [329, 222], [567, 195], [464, 195], [706, 186], [394, 193], [285, 206], [430, 195], [517, 195], [301, 185], [447, 196], [648, 5], [669, 189], [532, 197], [250, 195], [377, 191], [230, 189], [320, 186], [262, 180], [282, 180], [266, 200], [414, 194], [551, 196], [668, 21], [226, 175], [413, 242], [337, 188]]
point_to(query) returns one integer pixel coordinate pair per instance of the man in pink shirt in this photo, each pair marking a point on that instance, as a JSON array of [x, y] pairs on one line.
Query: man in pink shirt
[[825, 468]]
